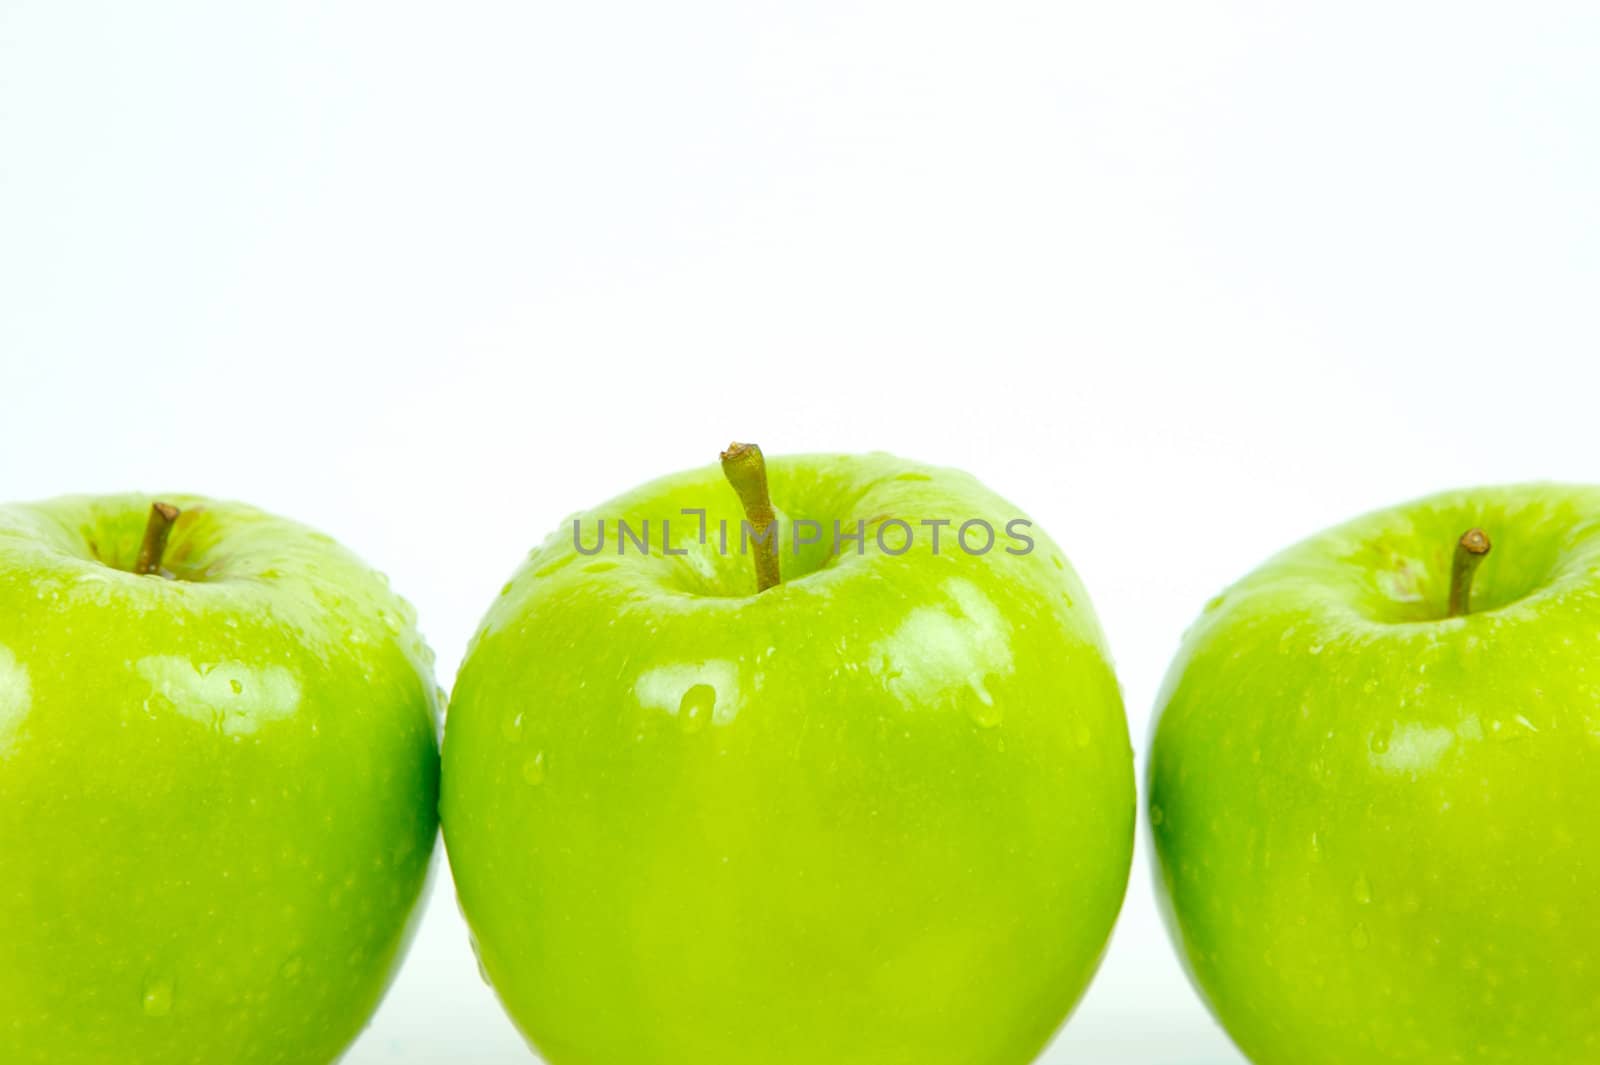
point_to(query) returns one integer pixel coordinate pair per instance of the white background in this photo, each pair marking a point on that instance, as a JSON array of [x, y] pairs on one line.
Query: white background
[[1185, 281]]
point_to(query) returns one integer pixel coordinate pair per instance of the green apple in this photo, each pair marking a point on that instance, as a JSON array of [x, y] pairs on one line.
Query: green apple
[[218, 772], [880, 812], [1375, 789]]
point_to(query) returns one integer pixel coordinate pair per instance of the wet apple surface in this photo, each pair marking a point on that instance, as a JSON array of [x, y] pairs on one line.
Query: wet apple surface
[[1375, 786], [879, 812], [217, 786]]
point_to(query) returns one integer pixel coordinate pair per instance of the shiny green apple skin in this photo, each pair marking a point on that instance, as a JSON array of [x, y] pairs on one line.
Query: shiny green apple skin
[[217, 792], [881, 813], [1378, 829]]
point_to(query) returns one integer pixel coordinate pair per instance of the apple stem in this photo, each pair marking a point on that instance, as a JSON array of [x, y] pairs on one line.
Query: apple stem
[[746, 470], [1470, 551], [156, 531]]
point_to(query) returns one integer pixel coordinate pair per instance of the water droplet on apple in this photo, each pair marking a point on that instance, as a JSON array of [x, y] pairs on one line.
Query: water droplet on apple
[[696, 706], [533, 769], [555, 564], [158, 998], [238, 689], [1157, 816], [511, 729], [1361, 939], [983, 711], [981, 706], [1379, 743], [1363, 890], [292, 967]]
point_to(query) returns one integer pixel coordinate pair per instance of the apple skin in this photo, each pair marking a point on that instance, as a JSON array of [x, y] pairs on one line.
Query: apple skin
[[217, 792], [1378, 829], [881, 813]]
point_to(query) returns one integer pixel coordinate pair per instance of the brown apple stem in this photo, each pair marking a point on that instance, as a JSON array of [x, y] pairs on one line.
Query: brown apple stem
[[1470, 551], [156, 531], [746, 470]]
